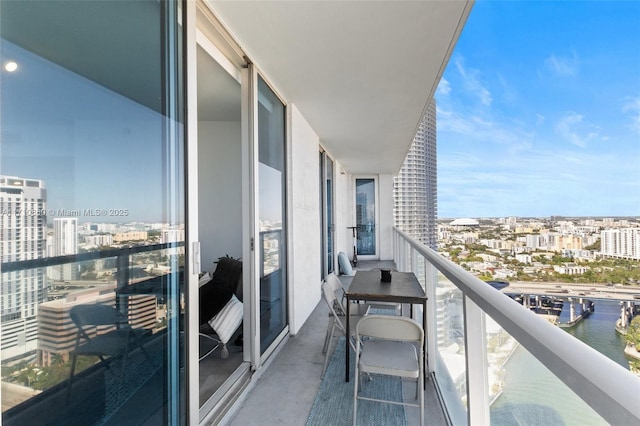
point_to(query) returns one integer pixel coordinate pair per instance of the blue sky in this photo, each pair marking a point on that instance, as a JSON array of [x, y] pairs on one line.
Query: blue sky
[[538, 111], [93, 148]]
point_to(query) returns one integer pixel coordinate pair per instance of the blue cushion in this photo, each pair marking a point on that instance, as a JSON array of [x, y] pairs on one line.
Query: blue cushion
[[345, 265]]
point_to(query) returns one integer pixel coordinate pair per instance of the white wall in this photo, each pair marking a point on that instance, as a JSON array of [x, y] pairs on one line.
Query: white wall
[[219, 191], [303, 189], [344, 212], [385, 206]]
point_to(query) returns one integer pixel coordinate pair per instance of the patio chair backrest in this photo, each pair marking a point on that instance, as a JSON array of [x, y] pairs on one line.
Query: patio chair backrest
[[330, 298], [390, 327], [338, 290], [96, 314]]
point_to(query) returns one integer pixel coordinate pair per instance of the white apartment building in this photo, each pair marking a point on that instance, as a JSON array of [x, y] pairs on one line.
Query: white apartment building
[[99, 240], [623, 243], [23, 226], [65, 242], [172, 236], [533, 241], [415, 187]]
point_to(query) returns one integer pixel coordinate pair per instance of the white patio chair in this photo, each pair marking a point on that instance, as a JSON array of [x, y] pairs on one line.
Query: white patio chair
[[390, 346], [338, 320]]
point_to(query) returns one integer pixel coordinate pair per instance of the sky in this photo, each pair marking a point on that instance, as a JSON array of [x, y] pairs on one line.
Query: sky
[[92, 148], [538, 111]]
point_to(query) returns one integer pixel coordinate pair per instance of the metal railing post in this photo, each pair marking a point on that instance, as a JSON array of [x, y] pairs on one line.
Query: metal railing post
[[477, 366], [122, 276]]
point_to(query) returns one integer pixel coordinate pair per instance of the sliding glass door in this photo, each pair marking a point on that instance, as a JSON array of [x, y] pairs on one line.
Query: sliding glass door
[[326, 214], [366, 216], [92, 231], [271, 242]]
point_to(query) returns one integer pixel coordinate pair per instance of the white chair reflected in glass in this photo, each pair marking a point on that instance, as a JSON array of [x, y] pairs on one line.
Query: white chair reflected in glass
[[389, 346]]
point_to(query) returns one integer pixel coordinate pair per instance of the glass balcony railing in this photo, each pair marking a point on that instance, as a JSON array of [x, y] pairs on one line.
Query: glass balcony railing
[[495, 362], [89, 333]]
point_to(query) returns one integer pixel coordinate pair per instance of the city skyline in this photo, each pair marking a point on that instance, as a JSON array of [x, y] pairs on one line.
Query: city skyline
[[539, 112]]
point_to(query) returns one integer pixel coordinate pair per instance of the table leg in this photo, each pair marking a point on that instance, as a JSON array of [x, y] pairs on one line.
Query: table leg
[[348, 338]]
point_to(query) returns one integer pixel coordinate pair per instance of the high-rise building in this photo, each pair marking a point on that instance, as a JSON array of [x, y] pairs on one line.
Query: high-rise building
[[415, 187], [23, 226], [623, 243], [65, 242]]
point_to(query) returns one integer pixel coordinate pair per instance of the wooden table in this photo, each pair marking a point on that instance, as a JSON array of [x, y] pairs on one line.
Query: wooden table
[[403, 288]]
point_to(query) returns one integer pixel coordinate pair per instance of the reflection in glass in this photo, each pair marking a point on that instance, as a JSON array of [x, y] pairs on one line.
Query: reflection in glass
[[326, 214], [366, 216], [524, 391], [450, 358], [271, 187], [91, 244], [329, 214]]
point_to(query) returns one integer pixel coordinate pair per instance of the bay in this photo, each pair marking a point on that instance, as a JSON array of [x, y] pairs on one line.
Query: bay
[[532, 395]]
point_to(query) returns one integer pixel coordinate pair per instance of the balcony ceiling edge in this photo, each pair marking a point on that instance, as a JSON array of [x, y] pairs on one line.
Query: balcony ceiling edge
[[361, 73]]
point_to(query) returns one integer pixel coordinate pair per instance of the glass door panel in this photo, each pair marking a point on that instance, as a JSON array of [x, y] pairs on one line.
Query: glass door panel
[[326, 214], [329, 213], [219, 207], [366, 216], [93, 249], [271, 242]]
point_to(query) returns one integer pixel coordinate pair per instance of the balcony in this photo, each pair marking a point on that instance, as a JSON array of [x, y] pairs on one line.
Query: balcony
[[294, 375], [473, 332]]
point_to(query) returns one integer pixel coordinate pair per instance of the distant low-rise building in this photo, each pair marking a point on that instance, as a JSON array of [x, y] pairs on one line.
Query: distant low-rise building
[[568, 242], [570, 269], [504, 273], [130, 236]]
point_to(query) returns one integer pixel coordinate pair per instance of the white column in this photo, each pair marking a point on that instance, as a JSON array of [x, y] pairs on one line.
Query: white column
[[572, 311], [476, 363]]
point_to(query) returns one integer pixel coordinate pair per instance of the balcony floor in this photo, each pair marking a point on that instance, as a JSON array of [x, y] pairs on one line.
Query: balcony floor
[[285, 391]]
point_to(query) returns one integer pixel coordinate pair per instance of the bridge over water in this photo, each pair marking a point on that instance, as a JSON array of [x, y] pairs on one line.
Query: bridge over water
[[571, 290], [577, 300]]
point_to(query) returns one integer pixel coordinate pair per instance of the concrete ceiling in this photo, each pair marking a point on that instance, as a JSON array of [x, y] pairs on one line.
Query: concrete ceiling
[[361, 72]]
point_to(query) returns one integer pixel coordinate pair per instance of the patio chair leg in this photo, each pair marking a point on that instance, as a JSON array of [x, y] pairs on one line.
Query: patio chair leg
[[71, 373], [355, 394], [327, 335], [327, 352]]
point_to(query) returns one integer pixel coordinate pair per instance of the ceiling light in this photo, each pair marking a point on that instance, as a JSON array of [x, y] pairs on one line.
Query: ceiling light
[[11, 66]]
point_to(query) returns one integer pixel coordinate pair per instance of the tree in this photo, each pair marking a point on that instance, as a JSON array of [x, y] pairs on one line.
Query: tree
[[633, 332], [597, 246]]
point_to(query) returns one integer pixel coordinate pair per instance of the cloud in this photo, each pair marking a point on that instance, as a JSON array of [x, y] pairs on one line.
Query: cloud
[[509, 93], [476, 129], [562, 66], [444, 88], [472, 83], [632, 109], [482, 182], [574, 129], [539, 119]]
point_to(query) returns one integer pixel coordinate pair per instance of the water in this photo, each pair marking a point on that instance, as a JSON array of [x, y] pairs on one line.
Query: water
[[598, 331], [532, 395]]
